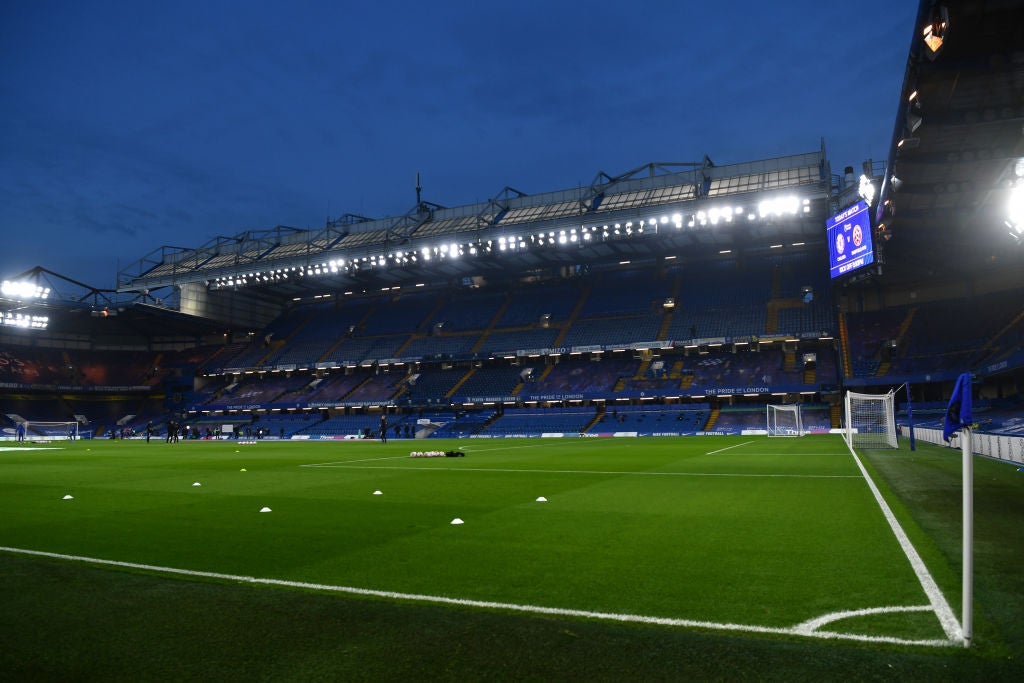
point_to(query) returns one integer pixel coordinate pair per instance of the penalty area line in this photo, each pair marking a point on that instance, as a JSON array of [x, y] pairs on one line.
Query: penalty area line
[[340, 463], [729, 448], [484, 604]]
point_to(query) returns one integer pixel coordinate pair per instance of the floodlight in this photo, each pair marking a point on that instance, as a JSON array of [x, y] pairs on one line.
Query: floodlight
[[934, 32], [866, 190], [1015, 209]]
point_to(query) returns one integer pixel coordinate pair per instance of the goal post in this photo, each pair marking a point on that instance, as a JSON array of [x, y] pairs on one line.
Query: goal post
[[38, 430], [784, 420], [870, 420]]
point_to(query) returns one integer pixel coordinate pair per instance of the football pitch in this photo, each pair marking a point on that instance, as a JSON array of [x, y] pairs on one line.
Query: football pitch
[[787, 536]]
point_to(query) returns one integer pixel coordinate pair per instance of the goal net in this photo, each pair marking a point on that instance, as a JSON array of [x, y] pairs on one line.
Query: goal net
[[784, 420], [51, 431], [870, 420]]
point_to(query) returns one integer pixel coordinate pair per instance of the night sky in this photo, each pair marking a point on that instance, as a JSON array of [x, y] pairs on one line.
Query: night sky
[[131, 125]]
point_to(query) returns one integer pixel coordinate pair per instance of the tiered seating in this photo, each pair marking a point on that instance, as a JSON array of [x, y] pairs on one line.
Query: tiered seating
[[720, 300], [403, 315], [451, 346], [813, 317], [358, 349], [722, 368], [262, 390], [325, 326], [283, 426], [380, 387], [535, 421], [579, 376], [491, 381], [647, 420], [620, 330], [463, 425], [626, 293], [432, 385], [343, 425], [734, 419], [537, 338], [527, 304], [32, 366], [470, 310], [334, 387]]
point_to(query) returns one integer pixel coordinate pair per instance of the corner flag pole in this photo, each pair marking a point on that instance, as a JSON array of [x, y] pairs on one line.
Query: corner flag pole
[[959, 418], [968, 540]]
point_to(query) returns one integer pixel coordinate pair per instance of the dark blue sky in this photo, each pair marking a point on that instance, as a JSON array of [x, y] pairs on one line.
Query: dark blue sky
[[130, 125]]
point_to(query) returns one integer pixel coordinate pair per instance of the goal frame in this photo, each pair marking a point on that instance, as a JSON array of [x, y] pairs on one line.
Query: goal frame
[[772, 412], [65, 430], [870, 420]]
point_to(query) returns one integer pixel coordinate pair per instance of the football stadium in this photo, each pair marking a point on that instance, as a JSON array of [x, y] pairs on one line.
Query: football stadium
[[690, 420]]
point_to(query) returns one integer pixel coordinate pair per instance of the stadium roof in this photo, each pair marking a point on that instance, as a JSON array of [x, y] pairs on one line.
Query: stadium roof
[[696, 209], [958, 144]]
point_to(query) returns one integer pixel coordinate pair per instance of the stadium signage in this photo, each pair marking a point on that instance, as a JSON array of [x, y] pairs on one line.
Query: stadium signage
[[542, 352], [556, 397], [729, 391]]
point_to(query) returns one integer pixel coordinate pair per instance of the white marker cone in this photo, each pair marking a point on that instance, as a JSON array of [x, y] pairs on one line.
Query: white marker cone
[[457, 521], [243, 470], [542, 499], [377, 493], [197, 484], [68, 497], [266, 510]]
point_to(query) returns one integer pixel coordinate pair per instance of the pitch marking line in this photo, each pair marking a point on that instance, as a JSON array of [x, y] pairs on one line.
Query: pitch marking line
[[799, 630], [729, 448], [427, 468], [339, 463], [944, 613]]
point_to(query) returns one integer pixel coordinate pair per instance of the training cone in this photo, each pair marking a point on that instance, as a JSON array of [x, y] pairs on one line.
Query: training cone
[[68, 497], [266, 510], [243, 470], [197, 484], [457, 521], [542, 499], [377, 493]]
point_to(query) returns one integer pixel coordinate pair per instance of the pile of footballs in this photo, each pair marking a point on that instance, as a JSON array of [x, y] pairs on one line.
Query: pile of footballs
[[437, 454]]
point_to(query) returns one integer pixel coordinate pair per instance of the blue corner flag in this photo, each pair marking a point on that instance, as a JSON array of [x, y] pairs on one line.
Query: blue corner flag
[[958, 412]]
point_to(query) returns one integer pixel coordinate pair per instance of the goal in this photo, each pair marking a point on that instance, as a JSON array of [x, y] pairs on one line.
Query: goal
[[870, 420], [784, 420], [51, 431]]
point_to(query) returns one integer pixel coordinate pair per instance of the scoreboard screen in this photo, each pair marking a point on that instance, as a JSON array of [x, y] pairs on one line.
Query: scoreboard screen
[[850, 246]]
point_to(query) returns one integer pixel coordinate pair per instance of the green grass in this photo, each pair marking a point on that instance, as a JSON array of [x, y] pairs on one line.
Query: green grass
[[763, 534]]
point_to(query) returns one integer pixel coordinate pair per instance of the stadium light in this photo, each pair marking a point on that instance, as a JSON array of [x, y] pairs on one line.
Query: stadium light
[[24, 290], [1015, 210], [24, 320], [934, 32], [866, 190]]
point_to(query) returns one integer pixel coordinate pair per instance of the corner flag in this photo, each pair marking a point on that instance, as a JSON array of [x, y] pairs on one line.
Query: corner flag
[[958, 412]]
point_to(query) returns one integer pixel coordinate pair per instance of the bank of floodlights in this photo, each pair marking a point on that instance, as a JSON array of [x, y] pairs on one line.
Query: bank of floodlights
[[23, 290], [560, 238], [24, 320]]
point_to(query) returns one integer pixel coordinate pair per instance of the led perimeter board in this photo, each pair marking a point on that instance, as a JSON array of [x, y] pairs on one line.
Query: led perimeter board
[[850, 246]]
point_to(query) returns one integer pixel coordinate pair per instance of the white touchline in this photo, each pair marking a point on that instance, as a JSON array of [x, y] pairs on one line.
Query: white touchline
[[440, 599], [428, 468], [943, 611], [727, 448], [342, 462]]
